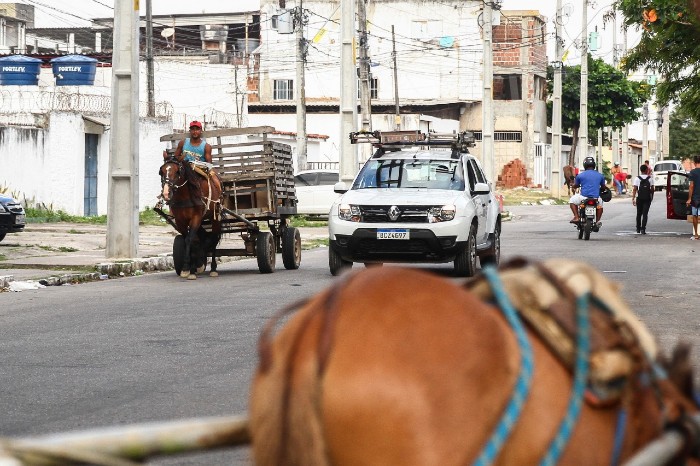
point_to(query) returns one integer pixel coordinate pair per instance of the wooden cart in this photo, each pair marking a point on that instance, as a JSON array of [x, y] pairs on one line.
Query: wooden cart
[[258, 188]]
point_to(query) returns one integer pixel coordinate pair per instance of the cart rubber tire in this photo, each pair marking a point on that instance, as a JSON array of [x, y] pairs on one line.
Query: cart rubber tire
[[178, 253], [265, 251], [2, 236], [291, 248], [465, 262], [336, 263]]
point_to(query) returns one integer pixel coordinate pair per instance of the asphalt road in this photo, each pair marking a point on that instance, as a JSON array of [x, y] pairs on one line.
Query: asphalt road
[[155, 347]]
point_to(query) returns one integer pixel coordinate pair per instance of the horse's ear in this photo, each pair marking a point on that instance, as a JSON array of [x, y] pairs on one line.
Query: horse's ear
[[165, 155]]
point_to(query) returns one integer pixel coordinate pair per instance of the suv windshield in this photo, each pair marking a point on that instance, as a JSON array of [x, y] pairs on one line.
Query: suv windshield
[[664, 167], [411, 173]]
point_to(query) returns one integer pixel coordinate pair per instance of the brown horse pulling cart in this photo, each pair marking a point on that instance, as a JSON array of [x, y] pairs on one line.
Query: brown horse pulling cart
[[257, 179]]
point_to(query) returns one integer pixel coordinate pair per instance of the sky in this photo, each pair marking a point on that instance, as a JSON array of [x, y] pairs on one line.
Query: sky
[[70, 13]]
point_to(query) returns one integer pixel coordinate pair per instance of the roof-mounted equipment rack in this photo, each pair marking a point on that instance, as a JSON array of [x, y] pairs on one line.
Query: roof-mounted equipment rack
[[386, 140]]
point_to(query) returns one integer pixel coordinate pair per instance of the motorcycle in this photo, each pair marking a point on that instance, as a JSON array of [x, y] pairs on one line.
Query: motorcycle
[[587, 218]]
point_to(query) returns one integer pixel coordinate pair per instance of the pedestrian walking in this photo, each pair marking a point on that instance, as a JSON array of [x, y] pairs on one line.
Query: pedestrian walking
[[618, 185], [642, 195], [694, 195]]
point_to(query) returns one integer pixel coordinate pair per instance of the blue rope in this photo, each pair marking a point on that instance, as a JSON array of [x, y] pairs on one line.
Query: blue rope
[[522, 385], [619, 436], [557, 446]]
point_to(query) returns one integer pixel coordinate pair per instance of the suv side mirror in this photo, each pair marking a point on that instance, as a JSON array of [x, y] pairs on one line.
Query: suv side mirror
[[482, 188], [340, 187]]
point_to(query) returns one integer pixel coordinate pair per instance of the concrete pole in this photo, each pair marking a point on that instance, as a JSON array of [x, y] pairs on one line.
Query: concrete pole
[[583, 129], [557, 181], [616, 60], [659, 123], [625, 158], [149, 60], [487, 155], [122, 209], [599, 155], [348, 92], [397, 117], [301, 88], [645, 138], [365, 87]]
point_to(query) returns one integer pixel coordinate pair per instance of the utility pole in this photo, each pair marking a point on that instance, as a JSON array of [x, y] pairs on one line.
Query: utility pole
[[123, 206], [487, 96], [645, 133], [583, 128], [149, 60], [397, 118], [557, 182], [625, 158], [301, 87], [365, 86], [659, 125], [348, 92], [616, 60]]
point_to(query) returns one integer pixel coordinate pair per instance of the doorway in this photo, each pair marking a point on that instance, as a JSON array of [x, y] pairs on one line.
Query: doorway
[[90, 191]]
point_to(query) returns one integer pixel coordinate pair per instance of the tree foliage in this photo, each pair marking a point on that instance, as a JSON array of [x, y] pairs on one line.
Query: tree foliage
[[684, 135], [668, 47], [613, 100]]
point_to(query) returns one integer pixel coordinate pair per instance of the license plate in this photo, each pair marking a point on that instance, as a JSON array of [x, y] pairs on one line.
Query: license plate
[[392, 234], [590, 211], [19, 219]]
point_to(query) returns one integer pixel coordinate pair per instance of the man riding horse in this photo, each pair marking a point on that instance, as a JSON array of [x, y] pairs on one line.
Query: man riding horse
[[198, 153]]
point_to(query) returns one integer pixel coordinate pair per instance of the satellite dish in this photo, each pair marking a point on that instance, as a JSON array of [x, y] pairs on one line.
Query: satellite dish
[[167, 32]]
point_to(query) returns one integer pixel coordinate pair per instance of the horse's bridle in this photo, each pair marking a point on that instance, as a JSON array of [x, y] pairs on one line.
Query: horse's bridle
[[172, 183]]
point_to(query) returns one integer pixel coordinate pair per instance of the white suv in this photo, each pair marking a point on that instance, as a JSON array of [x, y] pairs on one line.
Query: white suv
[[661, 169], [416, 201]]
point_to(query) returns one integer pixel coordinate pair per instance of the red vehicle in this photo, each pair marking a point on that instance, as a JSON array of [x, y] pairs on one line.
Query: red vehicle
[[677, 187]]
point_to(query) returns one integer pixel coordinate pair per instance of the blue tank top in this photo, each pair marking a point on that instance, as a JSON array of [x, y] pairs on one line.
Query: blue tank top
[[194, 153]]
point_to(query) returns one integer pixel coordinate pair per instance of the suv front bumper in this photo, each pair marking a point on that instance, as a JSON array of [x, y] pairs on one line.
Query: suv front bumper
[[422, 246]]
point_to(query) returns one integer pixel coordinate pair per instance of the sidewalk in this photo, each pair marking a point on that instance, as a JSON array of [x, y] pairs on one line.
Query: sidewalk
[[59, 253]]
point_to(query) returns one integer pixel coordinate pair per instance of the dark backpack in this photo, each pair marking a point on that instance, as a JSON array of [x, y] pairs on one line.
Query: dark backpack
[[644, 189]]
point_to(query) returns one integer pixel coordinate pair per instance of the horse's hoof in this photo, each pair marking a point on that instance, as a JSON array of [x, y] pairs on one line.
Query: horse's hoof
[[192, 277], [184, 274], [213, 274], [201, 268]]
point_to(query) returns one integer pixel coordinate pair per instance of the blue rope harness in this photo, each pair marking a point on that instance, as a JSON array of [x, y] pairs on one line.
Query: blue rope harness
[[522, 385], [583, 341]]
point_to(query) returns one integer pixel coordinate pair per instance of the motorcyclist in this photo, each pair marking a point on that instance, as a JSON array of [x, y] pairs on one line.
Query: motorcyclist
[[588, 182]]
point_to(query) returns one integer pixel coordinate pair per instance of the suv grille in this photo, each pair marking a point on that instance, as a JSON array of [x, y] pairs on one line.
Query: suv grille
[[408, 214], [14, 207]]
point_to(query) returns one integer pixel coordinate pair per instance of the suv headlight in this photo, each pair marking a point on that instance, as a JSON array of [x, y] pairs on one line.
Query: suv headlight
[[348, 212], [442, 214], [3, 208]]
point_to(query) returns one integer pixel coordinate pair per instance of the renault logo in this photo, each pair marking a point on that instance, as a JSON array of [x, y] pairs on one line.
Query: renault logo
[[394, 213]]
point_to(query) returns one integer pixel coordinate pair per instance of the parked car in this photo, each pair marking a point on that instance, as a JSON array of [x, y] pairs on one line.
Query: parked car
[[12, 217], [661, 169], [315, 193], [410, 203]]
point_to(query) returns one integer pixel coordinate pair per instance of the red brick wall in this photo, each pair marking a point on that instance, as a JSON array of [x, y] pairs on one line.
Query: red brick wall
[[508, 41]]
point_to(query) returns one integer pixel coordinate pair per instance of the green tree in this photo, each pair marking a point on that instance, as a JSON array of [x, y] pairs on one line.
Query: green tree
[[668, 47], [684, 135], [613, 99]]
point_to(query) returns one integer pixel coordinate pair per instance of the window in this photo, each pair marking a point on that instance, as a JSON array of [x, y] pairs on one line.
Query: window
[[373, 88], [274, 21], [284, 89], [327, 178], [507, 87], [502, 136]]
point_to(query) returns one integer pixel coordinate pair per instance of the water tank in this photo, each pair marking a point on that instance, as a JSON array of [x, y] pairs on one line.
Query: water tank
[[252, 44], [74, 70], [19, 70]]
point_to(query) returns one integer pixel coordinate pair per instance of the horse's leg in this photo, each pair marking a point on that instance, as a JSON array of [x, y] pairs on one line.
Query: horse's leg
[[215, 237], [192, 236]]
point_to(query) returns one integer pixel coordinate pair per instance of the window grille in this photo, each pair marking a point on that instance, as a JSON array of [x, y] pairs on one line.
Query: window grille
[[284, 89], [502, 136]]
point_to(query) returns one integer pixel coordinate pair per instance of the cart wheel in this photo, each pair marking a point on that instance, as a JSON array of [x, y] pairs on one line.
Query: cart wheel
[[291, 248], [179, 253], [265, 250]]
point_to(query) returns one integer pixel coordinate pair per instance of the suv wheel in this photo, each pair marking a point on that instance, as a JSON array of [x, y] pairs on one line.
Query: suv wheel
[[465, 262], [336, 263], [492, 255]]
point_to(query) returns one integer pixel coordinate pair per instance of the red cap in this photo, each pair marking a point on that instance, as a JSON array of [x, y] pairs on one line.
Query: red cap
[[195, 124]]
